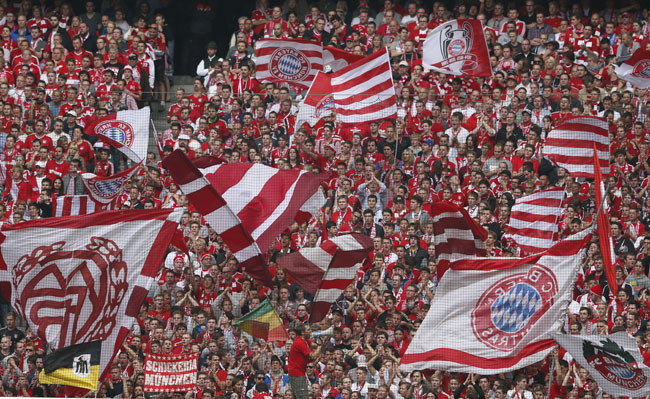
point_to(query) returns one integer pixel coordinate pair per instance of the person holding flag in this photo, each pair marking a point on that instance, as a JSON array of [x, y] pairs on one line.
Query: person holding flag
[[299, 357]]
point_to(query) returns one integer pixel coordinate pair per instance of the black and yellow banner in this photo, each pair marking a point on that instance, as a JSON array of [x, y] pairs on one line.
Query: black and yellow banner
[[76, 365]]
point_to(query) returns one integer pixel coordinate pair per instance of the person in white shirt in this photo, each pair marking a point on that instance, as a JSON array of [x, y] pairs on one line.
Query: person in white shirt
[[520, 391], [456, 132]]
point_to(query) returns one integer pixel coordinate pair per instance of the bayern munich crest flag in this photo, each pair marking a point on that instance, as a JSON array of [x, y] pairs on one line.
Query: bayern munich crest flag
[[505, 307], [128, 131], [288, 61], [457, 47], [103, 190], [636, 69], [613, 361], [79, 279]]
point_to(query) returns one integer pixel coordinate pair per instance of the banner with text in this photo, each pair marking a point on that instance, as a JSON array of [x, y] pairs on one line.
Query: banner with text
[[170, 373]]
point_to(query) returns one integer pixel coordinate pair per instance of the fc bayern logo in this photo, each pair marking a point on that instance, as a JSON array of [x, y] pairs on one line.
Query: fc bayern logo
[[614, 363], [456, 47], [325, 106], [289, 64], [509, 308], [106, 188], [642, 69], [118, 131]]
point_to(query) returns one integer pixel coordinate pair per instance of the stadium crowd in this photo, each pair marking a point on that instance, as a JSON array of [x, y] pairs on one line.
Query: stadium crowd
[[475, 142]]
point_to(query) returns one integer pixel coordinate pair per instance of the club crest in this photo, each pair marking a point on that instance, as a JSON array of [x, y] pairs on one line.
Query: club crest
[[289, 64], [118, 131], [614, 363], [510, 308]]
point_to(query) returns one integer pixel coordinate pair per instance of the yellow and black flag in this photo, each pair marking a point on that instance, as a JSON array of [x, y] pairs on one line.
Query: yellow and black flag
[[76, 365]]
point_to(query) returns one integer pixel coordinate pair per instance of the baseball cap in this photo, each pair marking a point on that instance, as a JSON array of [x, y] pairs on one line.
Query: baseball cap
[[212, 45], [462, 94], [399, 198], [403, 63], [41, 164], [71, 112], [183, 137], [428, 141], [133, 56], [349, 37], [331, 147]]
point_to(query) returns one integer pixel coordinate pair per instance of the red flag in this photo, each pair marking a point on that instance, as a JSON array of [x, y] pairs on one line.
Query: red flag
[[318, 101], [456, 235], [457, 47], [128, 131], [364, 91], [326, 271], [569, 145], [604, 230], [78, 279], [286, 60], [636, 69], [533, 220]]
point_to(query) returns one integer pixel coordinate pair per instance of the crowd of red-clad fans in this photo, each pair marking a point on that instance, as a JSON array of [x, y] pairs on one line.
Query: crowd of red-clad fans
[[475, 142]]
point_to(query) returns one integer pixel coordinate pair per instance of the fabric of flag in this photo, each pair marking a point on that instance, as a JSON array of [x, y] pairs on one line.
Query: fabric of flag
[[499, 311], [263, 322], [605, 230], [76, 365], [158, 139], [456, 235], [288, 61], [636, 69], [326, 271], [533, 224], [363, 91], [613, 361], [318, 102], [248, 205], [335, 59], [104, 190], [128, 131], [570, 145], [71, 205], [78, 279], [457, 47]]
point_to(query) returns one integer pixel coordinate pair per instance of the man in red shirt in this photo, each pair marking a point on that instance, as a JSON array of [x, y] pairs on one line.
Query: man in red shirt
[[299, 356]]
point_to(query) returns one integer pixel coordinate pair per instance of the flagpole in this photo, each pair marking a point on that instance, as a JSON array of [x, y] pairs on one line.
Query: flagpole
[[602, 202], [550, 374]]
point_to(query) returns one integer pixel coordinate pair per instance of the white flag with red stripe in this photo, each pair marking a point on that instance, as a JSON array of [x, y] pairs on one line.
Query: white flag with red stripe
[[128, 131], [456, 235], [335, 59], [318, 102], [363, 91], [288, 61], [78, 279], [499, 311], [104, 190], [72, 205], [570, 145], [248, 205], [636, 69], [326, 271], [534, 220]]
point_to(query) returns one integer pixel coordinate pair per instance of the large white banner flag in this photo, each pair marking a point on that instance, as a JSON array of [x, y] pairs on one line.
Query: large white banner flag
[[505, 307]]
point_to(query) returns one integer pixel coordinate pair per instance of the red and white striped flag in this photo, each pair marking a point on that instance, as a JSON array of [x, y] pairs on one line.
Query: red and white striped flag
[[570, 145], [456, 235], [292, 61], [363, 91], [72, 205], [248, 205], [326, 271], [533, 220]]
